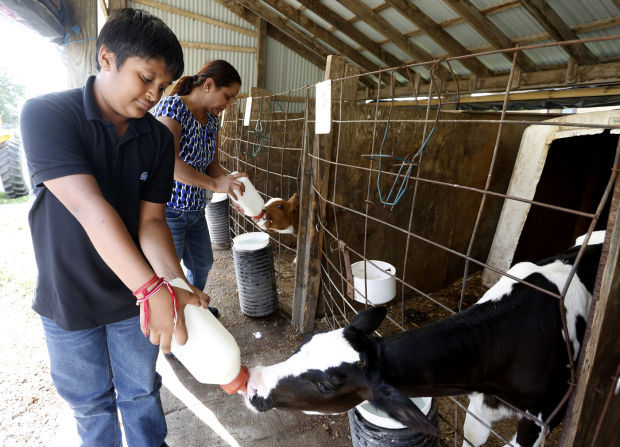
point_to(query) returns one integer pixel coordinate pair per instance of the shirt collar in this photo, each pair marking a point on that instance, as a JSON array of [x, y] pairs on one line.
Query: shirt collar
[[91, 109]]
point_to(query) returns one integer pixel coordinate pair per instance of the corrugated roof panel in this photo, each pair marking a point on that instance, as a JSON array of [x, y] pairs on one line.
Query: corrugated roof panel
[[428, 45], [548, 55], [398, 21], [516, 22], [578, 12], [339, 9], [483, 4], [607, 48], [396, 51], [346, 39], [436, 10], [373, 58], [315, 18], [458, 68], [369, 31], [466, 35], [372, 3], [495, 62]]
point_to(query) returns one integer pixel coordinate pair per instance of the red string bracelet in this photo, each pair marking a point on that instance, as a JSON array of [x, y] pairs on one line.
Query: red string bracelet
[[157, 283]]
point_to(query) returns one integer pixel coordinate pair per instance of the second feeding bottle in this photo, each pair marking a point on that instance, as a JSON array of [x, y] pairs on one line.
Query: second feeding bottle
[[251, 201]]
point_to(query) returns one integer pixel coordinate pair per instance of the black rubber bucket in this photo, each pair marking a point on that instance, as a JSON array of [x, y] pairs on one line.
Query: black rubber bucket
[[256, 280], [217, 220], [367, 434]]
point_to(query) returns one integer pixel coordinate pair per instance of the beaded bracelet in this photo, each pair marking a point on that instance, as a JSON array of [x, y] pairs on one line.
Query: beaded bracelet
[[157, 284]]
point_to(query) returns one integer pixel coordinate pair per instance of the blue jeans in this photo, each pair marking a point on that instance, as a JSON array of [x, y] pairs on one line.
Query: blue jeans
[[100, 370], [192, 242]]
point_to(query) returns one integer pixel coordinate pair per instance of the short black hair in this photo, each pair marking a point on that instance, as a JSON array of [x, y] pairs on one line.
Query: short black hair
[[133, 32]]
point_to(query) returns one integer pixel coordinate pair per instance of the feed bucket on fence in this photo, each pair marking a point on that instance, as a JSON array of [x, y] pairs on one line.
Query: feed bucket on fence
[[217, 221], [381, 285], [372, 432], [255, 274]]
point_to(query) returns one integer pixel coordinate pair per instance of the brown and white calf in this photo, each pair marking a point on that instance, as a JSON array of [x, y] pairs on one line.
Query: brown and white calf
[[510, 345], [280, 216]]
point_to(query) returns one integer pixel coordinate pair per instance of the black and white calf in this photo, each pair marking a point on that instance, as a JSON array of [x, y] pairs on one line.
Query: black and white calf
[[510, 345]]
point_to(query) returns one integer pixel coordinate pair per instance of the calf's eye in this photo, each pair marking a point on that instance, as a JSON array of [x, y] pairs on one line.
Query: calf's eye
[[280, 207]]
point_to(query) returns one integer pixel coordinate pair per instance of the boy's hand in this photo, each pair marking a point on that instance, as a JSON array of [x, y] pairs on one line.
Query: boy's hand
[[161, 320], [203, 298], [183, 299]]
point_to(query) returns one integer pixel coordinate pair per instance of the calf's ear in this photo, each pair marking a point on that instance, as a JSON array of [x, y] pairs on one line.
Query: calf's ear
[[369, 320], [387, 398]]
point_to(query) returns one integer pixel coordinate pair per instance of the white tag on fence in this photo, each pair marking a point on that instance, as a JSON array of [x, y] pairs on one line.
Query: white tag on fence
[[323, 108], [248, 111]]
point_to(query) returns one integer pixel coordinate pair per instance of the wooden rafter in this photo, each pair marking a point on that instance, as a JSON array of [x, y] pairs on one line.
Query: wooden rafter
[[489, 31], [384, 27], [282, 23], [309, 25], [349, 30], [559, 30], [273, 32], [438, 34]]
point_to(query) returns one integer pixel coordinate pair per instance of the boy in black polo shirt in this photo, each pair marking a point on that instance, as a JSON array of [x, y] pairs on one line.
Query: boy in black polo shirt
[[102, 170]]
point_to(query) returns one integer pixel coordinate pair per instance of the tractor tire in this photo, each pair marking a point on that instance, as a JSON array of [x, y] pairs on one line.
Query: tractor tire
[[11, 172]]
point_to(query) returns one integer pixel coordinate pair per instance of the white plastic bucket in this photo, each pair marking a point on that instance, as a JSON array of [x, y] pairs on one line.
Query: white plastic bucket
[[380, 418], [254, 240], [381, 286]]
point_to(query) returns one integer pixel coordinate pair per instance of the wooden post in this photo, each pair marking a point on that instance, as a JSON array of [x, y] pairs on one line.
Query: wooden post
[[317, 174], [261, 54], [594, 409], [80, 56]]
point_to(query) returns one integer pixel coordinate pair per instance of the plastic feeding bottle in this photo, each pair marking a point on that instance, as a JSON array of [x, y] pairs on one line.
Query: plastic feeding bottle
[[251, 202], [211, 353]]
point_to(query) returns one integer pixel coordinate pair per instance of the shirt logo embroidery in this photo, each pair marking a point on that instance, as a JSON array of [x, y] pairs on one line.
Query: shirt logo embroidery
[[144, 176]]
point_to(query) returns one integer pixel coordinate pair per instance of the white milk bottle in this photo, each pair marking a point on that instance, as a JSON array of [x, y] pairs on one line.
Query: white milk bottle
[[211, 353], [251, 202]]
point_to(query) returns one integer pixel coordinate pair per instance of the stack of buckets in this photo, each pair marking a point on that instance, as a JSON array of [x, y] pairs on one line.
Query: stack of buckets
[[256, 280], [371, 427], [217, 221]]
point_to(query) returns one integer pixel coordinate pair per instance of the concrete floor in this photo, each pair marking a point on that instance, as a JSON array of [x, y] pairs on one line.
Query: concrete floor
[[204, 415]]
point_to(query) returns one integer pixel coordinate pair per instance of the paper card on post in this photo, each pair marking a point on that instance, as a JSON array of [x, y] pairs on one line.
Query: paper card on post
[[323, 107], [248, 111]]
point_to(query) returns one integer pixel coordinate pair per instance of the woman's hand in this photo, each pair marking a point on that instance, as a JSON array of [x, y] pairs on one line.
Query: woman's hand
[[229, 184]]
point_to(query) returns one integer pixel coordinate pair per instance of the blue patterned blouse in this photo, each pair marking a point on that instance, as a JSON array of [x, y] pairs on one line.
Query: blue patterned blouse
[[197, 149]]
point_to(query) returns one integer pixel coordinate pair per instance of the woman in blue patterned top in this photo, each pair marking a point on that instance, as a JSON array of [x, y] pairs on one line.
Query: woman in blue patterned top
[[191, 114]]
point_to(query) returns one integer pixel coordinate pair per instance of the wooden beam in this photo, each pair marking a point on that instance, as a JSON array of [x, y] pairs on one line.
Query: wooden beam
[[438, 34], [281, 22], [321, 33], [600, 353], [559, 30], [194, 16], [284, 39], [104, 9], [516, 96], [212, 46], [38, 17], [348, 29], [385, 28], [489, 31], [273, 32], [261, 55], [80, 57], [583, 75]]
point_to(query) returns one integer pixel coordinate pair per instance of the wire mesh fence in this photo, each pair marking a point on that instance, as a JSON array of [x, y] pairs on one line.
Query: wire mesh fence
[[437, 202]]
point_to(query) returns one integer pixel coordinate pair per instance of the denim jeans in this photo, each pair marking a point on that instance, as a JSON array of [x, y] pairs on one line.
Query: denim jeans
[[100, 370], [192, 242]]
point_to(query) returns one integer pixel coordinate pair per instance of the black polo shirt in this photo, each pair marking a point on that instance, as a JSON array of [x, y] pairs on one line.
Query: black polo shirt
[[64, 134]]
